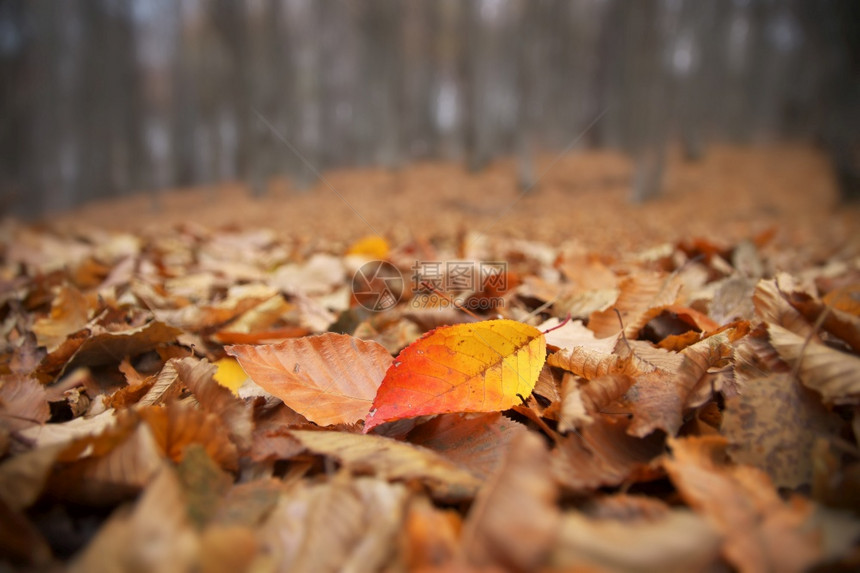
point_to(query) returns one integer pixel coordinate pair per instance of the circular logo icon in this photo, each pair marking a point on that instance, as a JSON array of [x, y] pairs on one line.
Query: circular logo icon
[[377, 285]]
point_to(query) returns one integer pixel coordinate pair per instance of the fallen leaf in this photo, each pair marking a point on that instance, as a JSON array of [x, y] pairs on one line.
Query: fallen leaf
[[23, 403], [235, 415], [226, 549], [604, 454], [165, 387], [108, 468], [480, 367], [754, 421], [240, 299], [70, 312], [105, 347], [230, 374], [733, 300], [833, 374], [678, 541], [318, 275], [772, 307], [329, 378], [390, 459], [23, 477], [639, 294], [626, 507], [159, 517], [591, 364], [513, 523], [50, 434], [343, 525], [574, 334], [176, 426], [430, 538], [477, 442], [204, 484], [845, 299], [21, 543], [371, 246], [837, 322], [264, 316], [658, 399], [572, 411], [674, 319], [761, 531]]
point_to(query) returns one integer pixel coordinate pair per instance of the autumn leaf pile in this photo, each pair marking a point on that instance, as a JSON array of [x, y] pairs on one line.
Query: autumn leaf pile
[[693, 406]]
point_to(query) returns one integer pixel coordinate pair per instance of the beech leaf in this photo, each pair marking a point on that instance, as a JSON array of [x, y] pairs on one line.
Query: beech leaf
[[480, 367], [329, 378], [834, 374], [390, 459]]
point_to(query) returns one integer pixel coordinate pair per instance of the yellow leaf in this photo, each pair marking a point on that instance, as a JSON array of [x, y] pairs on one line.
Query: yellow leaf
[[230, 374], [372, 246]]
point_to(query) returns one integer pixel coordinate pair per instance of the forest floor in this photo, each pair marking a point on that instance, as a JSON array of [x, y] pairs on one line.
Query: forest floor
[[201, 380], [733, 193]]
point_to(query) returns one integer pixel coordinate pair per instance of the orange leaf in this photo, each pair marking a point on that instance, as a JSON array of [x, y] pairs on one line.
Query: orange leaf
[[329, 379], [480, 367]]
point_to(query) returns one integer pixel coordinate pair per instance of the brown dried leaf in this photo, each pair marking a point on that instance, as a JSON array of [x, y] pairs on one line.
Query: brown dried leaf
[[161, 519], [204, 484], [589, 363], [21, 543], [761, 531], [329, 378], [626, 507], [675, 319], [116, 465], [604, 454], [772, 307], [733, 300], [639, 294], [240, 299], [430, 537], [574, 334], [477, 442], [755, 424], [514, 520], [198, 376], [548, 383], [658, 399], [176, 426], [678, 541], [837, 322], [23, 403], [66, 432], [70, 312], [165, 387], [344, 525], [834, 374], [108, 347], [605, 393], [138, 386], [645, 357], [393, 460], [845, 299], [23, 477], [572, 411]]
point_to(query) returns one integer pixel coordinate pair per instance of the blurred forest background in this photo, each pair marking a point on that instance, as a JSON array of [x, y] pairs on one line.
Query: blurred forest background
[[102, 98]]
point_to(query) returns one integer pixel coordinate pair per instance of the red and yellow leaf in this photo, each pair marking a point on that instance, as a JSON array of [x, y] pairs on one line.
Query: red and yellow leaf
[[481, 367]]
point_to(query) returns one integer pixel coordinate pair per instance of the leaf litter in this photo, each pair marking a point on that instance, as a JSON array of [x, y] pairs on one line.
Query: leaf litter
[[216, 400]]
